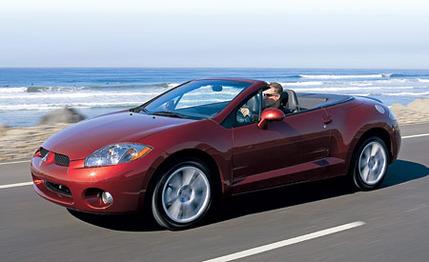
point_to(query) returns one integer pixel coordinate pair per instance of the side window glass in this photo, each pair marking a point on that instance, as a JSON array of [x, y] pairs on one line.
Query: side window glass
[[249, 112]]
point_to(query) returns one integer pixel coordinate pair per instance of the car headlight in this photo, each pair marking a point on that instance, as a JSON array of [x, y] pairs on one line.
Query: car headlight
[[116, 154]]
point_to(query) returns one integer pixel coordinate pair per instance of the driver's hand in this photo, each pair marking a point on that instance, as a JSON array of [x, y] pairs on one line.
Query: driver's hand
[[245, 111]]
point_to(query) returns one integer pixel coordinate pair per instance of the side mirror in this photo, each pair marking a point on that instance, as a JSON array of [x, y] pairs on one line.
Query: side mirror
[[270, 114]]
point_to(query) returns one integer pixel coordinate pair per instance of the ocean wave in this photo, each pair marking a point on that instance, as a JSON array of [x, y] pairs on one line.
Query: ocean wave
[[395, 87], [394, 81], [69, 96], [75, 89], [407, 94], [363, 94], [43, 107], [360, 84], [408, 75], [380, 90], [309, 83], [423, 80], [12, 90], [389, 81], [367, 76], [336, 89], [79, 105], [39, 89]]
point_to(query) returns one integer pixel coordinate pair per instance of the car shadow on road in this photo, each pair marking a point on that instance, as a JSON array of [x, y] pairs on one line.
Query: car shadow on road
[[399, 172], [402, 171], [126, 222]]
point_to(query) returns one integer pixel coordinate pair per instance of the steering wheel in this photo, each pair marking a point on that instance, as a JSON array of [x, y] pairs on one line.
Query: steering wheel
[[242, 119]]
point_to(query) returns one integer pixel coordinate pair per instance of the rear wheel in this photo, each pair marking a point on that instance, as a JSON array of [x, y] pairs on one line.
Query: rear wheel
[[370, 164], [183, 195]]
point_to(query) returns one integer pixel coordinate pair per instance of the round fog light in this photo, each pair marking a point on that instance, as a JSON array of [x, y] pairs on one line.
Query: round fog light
[[107, 198]]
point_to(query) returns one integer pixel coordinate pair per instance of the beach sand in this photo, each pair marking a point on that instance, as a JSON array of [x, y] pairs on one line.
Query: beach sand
[[415, 112], [21, 143]]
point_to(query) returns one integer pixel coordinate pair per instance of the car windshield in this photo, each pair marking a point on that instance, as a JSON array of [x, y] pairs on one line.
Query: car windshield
[[196, 99]]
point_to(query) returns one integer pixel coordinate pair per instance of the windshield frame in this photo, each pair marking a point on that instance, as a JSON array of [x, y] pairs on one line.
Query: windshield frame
[[242, 84]]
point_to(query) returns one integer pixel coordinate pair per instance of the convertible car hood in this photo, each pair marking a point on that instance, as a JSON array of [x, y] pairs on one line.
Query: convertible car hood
[[81, 139]]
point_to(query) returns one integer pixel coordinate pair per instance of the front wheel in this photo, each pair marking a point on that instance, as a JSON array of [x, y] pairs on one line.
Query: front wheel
[[182, 196], [370, 164]]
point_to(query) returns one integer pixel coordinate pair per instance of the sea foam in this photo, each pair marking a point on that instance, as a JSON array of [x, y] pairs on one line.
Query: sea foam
[[327, 77], [309, 83]]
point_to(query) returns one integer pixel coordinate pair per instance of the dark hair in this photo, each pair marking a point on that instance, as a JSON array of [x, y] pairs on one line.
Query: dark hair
[[276, 86]]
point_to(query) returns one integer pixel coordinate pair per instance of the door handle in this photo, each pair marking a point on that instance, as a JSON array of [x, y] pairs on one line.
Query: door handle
[[327, 120]]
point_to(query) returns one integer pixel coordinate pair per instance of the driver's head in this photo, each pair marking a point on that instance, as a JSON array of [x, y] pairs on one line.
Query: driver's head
[[272, 95]]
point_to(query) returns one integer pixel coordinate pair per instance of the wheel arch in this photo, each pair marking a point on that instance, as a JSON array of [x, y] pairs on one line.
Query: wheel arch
[[189, 153], [383, 134], [379, 132]]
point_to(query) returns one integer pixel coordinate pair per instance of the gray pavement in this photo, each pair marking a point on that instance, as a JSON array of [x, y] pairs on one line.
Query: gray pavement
[[396, 217]]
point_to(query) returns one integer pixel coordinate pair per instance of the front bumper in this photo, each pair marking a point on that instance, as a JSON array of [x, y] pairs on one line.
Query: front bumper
[[79, 188]]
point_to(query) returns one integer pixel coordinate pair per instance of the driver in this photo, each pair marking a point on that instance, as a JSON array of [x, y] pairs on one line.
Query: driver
[[271, 98], [272, 95]]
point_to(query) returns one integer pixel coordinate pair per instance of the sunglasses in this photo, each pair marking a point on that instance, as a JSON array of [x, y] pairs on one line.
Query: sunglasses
[[270, 95]]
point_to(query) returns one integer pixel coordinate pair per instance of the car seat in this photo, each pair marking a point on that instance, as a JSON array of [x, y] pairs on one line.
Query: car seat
[[289, 101]]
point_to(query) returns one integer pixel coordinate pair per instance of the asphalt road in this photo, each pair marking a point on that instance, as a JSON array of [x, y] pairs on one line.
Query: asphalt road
[[393, 222]]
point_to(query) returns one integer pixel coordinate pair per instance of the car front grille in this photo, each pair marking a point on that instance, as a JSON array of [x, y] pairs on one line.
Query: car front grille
[[43, 152], [62, 160], [59, 159]]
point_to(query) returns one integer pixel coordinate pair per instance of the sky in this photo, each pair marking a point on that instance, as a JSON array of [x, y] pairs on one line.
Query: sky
[[215, 33]]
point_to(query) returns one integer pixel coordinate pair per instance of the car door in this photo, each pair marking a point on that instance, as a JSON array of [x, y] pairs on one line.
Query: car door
[[314, 135], [279, 154]]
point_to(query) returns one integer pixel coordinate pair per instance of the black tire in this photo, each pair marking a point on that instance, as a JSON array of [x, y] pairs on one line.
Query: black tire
[[158, 207], [358, 182]]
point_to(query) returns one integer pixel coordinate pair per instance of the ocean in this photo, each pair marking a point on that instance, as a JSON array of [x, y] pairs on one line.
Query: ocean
[[26, 94]]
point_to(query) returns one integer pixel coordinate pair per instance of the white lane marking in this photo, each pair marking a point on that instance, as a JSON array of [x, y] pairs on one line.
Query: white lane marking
[[286, 242], [413, 136], [15, 185], [15, 162]]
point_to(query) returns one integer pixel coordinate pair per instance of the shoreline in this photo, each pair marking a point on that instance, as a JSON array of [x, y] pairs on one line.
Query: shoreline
[[22, 142]]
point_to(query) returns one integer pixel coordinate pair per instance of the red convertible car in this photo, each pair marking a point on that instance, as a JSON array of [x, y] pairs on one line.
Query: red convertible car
[[179, 152]]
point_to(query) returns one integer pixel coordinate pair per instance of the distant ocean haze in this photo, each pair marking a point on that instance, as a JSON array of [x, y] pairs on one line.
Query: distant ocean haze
[[28, 93]]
